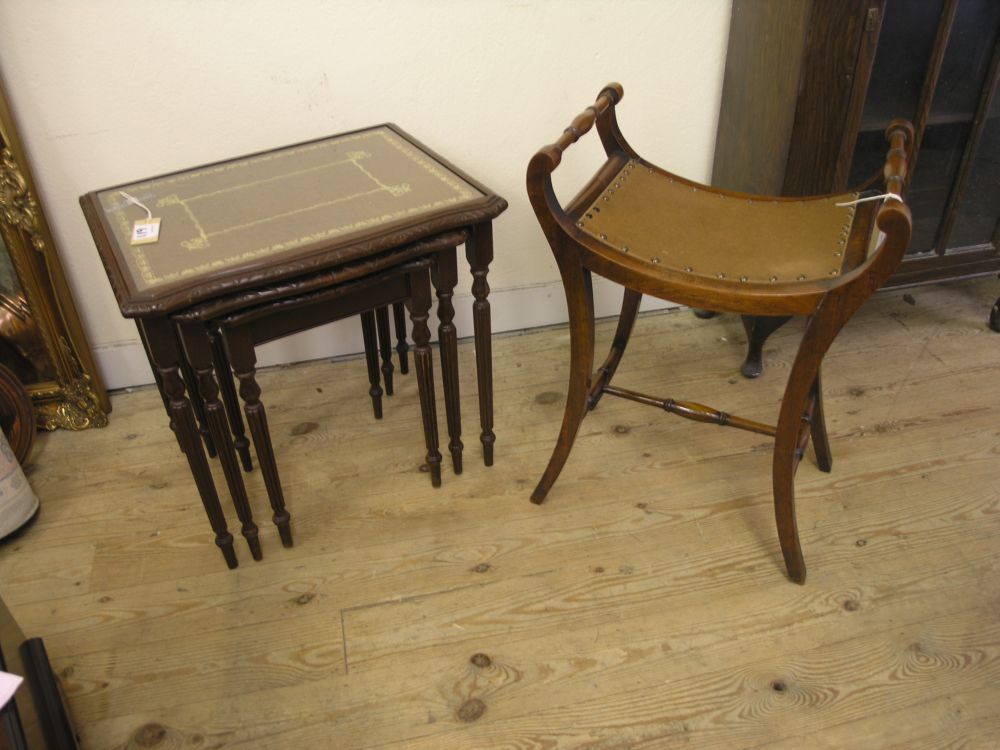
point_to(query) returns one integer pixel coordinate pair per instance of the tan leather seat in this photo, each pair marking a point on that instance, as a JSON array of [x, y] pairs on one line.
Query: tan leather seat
[[675, 224]]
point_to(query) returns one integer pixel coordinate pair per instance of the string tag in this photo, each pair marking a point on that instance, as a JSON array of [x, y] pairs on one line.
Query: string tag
[[144, 231], [894, 196]]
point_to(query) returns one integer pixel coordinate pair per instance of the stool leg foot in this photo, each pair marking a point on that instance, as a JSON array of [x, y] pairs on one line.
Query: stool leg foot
[[580, 301], [626, 320]]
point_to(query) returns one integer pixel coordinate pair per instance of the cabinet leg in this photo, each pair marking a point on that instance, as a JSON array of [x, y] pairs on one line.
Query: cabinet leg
[[758, 328]]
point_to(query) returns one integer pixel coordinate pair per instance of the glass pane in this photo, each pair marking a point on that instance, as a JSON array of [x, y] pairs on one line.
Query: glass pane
[[979, 210], [905, 45], [963, 75], [904, 48]]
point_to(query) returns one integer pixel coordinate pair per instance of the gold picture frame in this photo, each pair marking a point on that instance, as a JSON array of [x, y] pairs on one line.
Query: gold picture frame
[[63, 381]]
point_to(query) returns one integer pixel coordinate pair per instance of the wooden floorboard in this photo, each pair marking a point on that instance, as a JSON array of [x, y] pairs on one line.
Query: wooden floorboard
[[644, 605]]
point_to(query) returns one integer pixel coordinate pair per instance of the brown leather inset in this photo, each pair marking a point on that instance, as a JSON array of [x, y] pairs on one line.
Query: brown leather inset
[[671, 224], [219, 216]]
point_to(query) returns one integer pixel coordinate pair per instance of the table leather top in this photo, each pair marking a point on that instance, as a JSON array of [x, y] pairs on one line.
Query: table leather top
[[267, 206]]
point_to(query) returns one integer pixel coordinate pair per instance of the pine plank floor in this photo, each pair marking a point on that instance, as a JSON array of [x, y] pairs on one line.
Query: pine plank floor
[[644, 605]]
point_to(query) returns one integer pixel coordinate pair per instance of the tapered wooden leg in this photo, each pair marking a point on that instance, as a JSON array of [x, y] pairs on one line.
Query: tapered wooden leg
[[166, 356], [158, 379], [479, 251], [199, 412], [420, 304], [199, 354], [385, 346], [758, 329], [817, 428], [239, 345], [371, 359], [626, 320], [225, 375], [402, 348], [445, 277], [580, 301]]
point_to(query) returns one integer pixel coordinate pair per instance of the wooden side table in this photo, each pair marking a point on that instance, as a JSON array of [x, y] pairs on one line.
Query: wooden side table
[[263, 221]]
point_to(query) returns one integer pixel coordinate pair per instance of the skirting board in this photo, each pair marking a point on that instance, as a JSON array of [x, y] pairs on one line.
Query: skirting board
[[124, 364]]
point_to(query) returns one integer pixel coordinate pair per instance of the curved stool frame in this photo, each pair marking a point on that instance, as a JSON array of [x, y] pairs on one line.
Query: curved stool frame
[[829, 301]]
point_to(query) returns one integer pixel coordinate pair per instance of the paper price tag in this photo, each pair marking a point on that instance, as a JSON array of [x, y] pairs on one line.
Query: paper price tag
[[145, 231]]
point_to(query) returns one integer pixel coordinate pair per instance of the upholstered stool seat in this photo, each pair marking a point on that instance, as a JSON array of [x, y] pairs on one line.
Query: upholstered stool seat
[[677, 226], [656, 233]]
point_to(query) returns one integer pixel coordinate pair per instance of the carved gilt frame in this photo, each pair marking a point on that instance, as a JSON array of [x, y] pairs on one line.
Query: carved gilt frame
[[76, 398]]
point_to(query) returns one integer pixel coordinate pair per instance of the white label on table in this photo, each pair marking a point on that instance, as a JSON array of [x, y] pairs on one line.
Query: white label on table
[[145, 231]]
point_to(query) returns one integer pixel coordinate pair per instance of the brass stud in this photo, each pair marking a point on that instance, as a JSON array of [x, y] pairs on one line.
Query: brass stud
[[579, 223], [834, 272], [654, 260], [720, 275], [624, 248], [590, 216], [688, 269], [743, 279], [618, 184], [837, 253], [604, 236], [773, 279], [801, 277], [606, 198]]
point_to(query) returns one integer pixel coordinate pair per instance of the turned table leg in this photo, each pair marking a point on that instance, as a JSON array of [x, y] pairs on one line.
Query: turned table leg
[[479, 251], [225, 375], [445, 277], [368, 327], [166, 356], [243, 358], [420, 305], [385, 346], [402, 348], [199, 354]]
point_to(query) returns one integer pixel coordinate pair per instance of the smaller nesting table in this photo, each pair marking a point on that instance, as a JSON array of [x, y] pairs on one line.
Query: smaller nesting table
[[268, 226]]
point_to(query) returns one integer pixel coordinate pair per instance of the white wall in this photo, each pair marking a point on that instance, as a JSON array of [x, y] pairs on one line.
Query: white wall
[[108, 91]]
